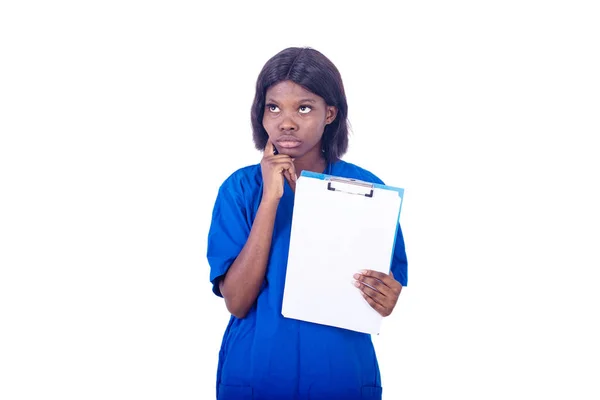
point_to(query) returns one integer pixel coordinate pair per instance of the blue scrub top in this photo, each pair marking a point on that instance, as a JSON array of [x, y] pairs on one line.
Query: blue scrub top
[[264, 355]]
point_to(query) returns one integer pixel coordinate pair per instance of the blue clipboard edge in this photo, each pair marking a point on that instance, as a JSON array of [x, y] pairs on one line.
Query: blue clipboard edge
[[323, 177]]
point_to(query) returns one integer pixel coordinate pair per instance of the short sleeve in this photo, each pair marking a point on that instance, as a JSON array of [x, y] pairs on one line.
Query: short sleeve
[[399, 261], [228, 233]]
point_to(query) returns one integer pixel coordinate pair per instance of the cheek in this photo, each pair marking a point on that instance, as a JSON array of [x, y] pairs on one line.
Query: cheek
[[317, 126], [267, 124]]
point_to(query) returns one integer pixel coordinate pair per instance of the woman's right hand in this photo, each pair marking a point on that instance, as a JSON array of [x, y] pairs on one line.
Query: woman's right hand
[[274, 169]]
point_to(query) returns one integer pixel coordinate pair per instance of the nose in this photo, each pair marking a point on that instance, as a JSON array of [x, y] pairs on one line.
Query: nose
[[288, 123]]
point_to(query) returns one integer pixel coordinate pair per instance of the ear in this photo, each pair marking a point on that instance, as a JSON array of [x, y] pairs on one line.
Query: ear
[[331, 114]]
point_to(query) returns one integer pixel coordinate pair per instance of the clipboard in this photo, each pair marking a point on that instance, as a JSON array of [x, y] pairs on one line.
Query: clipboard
[[339, 227]]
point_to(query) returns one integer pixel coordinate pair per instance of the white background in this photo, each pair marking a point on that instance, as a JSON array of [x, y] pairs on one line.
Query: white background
[[120, 119]]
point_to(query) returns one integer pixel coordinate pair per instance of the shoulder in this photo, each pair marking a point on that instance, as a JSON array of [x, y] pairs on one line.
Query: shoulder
[[244, 181], [349, 170]]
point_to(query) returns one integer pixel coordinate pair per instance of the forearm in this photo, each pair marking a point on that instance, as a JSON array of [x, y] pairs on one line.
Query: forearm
[[244, 278]]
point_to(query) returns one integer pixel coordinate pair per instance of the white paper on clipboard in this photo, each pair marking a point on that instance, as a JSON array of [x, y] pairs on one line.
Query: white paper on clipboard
[[339, 227]]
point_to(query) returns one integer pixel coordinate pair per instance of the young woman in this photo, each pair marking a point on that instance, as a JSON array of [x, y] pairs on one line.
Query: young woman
[[299, 119]]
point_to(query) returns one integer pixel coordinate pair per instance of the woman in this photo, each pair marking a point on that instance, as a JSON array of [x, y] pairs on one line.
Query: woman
[[299, 119]]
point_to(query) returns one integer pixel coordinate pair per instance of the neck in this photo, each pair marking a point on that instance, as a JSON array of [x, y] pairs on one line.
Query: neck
[[313, 161]]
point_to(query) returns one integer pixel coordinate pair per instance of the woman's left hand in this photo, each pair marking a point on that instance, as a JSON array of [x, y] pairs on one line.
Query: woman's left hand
[[380, 290]]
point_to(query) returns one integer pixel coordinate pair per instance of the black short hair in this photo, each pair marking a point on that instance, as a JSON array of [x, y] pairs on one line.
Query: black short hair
[[315, 72]]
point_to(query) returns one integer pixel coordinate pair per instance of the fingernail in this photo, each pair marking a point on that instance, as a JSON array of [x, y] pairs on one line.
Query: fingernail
[[356, 276], [363, 271], [357, 283]]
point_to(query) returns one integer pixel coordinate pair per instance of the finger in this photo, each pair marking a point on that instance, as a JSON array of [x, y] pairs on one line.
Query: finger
[[375, 274], [388, 280], [374, 294], [269, 148], [293, 171], [281, 164], [376, 306], [292, 185], [397, 288], [290, 180], [288, 176], [374, 284], [286, 168]]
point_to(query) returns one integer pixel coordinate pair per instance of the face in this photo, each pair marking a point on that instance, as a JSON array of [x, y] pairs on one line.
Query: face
[[295, 118]]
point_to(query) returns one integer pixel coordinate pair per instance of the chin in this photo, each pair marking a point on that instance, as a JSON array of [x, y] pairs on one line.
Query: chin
[[294, 153]]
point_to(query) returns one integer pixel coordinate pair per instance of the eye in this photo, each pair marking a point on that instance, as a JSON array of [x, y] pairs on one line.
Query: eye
[[273, 108], [304, 109]]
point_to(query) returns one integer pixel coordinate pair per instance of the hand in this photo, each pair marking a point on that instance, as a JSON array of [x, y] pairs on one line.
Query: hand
[[274, 168], [381, 291]]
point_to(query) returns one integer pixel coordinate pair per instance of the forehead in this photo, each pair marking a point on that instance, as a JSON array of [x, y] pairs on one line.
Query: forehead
[[288, 90]]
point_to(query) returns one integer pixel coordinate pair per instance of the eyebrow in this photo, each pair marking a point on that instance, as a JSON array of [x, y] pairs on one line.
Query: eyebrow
[[271, 100]]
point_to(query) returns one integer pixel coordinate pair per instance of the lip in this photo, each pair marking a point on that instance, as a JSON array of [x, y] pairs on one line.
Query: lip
[[288, 142]]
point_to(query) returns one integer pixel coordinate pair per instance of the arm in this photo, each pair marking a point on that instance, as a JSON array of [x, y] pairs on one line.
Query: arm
[[241, 284]]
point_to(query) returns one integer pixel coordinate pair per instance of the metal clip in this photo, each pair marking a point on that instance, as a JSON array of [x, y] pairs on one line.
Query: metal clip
[[353, 182]]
